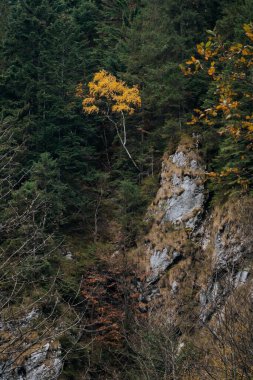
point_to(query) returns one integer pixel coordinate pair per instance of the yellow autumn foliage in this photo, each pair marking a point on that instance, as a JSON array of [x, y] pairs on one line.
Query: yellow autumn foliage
[[248, 28], [229, 67], [228, 107], [108, 94], [211, 70]]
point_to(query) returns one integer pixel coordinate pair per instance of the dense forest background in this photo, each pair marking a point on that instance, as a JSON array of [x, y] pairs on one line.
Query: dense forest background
[[67, 186]]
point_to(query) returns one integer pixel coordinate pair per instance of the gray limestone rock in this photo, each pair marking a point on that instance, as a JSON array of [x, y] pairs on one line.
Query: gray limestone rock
[[174, 287], [159, 261], [36, 361], [179, 159], [186, 204], [42, 364], [241, 277]]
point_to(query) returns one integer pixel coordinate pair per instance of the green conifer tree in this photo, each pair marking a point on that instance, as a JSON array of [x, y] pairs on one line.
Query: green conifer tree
[[47, 50]]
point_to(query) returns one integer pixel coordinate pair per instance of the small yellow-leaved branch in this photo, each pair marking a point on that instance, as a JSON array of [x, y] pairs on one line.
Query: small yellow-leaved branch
[[248, 28], [229, 68]]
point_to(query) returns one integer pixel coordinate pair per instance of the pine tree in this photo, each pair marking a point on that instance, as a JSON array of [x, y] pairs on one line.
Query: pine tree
[[161, 35], [228, 108], [47, 50], [115, 17], [3, 19], [235, 14]]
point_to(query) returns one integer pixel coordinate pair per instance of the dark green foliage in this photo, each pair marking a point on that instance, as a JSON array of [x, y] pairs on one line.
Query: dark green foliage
[[161, 36], [44, 183], [66, 174], [164, 34], [130, 210], [227, 152], [46, 52], [24, 209], [235, 14], [116, 18], [232, 154]]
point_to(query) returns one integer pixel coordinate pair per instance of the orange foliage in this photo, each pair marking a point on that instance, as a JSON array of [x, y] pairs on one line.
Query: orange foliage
[[104, 296]]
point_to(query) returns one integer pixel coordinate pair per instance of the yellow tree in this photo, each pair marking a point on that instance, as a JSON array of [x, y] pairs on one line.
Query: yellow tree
[[230, 68], [113, 99]]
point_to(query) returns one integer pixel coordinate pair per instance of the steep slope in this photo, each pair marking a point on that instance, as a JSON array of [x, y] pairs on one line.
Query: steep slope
[[194, 262], [193, 257]]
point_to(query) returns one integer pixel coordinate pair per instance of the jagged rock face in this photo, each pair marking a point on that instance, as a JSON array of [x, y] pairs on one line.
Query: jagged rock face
[[43, 364], [28, 358], [177, 208], [188, 248], [230, 244], [181, 195], [160, 262], [186, 203]]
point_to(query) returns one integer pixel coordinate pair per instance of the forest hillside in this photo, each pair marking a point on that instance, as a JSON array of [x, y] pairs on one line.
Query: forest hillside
[[126, 202]]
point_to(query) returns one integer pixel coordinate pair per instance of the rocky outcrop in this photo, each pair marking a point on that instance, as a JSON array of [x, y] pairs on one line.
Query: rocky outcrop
[[186, 202], [41, 363], [194, 258], [162, 261], [180, 198], [25, 356], [174, 215], [176, 210], [228, 238]]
